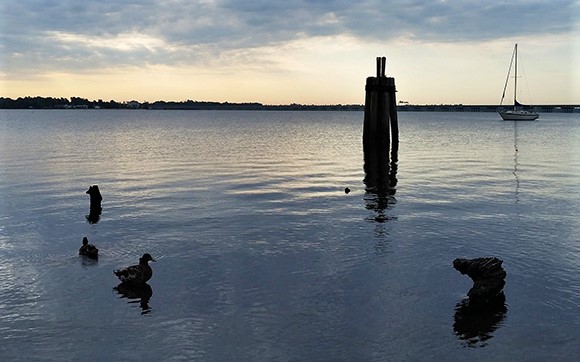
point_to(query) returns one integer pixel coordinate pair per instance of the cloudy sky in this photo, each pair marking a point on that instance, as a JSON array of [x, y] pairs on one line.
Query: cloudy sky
[[290, 51]]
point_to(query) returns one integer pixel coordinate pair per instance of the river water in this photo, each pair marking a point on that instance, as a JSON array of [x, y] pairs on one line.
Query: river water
[[262, 256]]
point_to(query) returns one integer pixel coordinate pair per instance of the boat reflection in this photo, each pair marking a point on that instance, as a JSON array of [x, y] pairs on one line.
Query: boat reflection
[[516, 163], [475, 325], [136, 294]]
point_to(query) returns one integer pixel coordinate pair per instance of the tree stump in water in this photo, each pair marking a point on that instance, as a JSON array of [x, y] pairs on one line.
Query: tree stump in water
[[488, 278]]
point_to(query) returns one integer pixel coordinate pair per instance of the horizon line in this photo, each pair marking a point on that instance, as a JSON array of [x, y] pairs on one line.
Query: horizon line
[[400, 103]]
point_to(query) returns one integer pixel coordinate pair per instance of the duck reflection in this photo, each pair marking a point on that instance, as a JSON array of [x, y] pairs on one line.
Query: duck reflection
[[88, 262], [380, 178], [136, 293], [475, 324], [94, 216]]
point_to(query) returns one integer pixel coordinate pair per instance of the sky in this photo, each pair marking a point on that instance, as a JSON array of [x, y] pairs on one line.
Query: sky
[[291, 51]]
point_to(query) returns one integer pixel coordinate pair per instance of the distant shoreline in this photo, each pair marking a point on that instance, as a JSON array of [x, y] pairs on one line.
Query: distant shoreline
[[82, 103]]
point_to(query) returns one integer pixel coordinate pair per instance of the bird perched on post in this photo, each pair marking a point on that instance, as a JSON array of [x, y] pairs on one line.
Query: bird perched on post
[[88, 250], [136, 274]]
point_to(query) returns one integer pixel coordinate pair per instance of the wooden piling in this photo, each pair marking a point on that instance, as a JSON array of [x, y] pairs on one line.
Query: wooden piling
[[380, 119], [380, 135]]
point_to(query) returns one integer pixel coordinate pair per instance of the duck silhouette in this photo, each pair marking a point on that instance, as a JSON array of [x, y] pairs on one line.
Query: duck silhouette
[[136, 274], [95, 204], [88, 250]]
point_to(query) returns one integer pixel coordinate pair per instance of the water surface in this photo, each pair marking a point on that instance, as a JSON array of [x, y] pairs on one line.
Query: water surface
[[260, 253]]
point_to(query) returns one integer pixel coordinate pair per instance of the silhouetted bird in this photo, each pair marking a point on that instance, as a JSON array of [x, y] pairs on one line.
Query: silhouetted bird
[[96, 196], [95, 204], [88, 250], [346, 190], [136, 274]]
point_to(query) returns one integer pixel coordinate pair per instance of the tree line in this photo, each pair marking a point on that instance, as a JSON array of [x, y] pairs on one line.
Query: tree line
[[77, 102], [56, 103]]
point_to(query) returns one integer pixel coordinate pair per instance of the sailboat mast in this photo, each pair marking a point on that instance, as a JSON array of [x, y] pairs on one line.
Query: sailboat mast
[[515, 114], [516, 76]]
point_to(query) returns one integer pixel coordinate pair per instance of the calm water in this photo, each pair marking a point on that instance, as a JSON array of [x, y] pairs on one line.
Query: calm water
[[262, 256]]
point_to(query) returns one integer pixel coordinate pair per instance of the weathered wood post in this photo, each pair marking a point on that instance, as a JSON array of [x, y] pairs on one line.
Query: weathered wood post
[[380, 135], [381, 109]]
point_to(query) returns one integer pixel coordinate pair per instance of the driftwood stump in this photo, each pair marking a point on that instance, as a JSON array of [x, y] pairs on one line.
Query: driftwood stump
[[488, 278], [479, 315]]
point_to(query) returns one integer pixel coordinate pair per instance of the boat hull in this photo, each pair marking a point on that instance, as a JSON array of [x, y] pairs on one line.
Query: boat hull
[[518, 116]]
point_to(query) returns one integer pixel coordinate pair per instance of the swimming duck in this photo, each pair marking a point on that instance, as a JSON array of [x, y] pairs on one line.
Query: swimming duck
[[88, 250], [136, 274]]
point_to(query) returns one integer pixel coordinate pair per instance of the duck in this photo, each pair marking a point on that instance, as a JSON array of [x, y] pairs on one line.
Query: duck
[[136, 274], [88, 250]]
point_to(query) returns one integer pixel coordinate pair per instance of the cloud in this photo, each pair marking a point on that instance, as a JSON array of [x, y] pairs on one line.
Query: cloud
[[40, 35]]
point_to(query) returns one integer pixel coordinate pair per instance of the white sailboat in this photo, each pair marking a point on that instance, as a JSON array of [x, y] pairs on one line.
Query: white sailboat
[[515, 114]]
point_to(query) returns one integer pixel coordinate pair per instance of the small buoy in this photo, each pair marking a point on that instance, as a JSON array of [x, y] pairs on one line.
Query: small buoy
[[346, 190]]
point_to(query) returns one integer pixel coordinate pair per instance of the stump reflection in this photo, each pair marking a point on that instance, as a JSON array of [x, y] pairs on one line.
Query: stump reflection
[[475, 324]]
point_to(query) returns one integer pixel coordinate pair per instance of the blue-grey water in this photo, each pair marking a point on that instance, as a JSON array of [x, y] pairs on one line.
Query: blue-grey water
[[262, 256]]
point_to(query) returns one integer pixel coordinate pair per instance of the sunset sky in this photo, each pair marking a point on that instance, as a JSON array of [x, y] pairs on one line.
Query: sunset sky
[[291, 51]]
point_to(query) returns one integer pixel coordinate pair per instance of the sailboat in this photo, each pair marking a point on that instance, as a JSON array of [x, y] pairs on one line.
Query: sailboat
[[515, 114]]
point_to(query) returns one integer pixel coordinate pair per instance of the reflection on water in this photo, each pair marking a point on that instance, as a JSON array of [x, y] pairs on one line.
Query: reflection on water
[[94, 216], [380, 188], [274, 262], [380, 179], [88, 262], [475, 325], [136, 294], [515, 172]]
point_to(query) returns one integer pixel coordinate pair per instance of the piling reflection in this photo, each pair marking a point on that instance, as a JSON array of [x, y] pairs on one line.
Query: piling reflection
[[380, 179], [136, 294], [474, 324]]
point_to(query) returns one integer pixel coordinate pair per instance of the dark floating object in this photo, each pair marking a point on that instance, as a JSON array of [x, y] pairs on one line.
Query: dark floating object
[[88, 250], [346, 190], [487, 275], [137, 293], [136, 274], [95, 205]]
